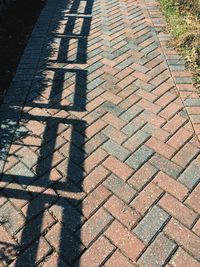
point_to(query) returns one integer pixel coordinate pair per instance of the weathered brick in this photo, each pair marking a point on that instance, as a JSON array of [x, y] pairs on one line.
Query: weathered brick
[[118, 259], [139, 157], [183, 259], [94, 178], [158, 252], [196, 228], [166, 165], [97, 253], [170, 185], [190, 177], [113, 120], [135, 141], [142, 176], [174, 124], [94, 226], [117, 167], [124, 240], [133, 126], [94, 200], [193, 199], [177, 210], [183, 237], [179, 138], [116, 150], [116, 135], [122, 212], [151, 224], [160, 147], [180, 158], [94, 159], [119, 188], [146, 198]]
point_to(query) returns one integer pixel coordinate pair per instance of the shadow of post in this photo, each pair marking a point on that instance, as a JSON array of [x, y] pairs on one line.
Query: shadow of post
[[69, 247]]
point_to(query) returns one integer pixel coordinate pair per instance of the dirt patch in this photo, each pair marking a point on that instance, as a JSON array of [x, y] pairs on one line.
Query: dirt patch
[[16, 24]]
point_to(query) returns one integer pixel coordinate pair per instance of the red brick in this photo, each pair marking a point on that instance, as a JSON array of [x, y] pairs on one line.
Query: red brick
[[177, 210], [118, 259], [194, 199], [153, 118], [114, 134], [141, 76], [160, 147], [122, 212], [142, 176], [174, 124], [94, 226], [184, 237], [119, 168], [113, 120], [129, 244], [108, 62], [111, 97], [96, 127], [146, 95], [189, 150], [170, 185], [94, 200], [97, 253], [94, 159], [180, 138], [124, 73], [94, 178], [108, 69], [146, 198], [126, 81], [170, 110], [164, 100], [95, 103], [149, 106], [196, 228], [183, 259]]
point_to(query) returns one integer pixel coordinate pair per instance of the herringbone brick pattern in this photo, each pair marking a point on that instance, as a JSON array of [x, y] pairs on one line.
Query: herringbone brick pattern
[[100, 143]]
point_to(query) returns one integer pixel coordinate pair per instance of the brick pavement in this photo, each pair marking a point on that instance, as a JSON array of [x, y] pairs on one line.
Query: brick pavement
[[100, 152]]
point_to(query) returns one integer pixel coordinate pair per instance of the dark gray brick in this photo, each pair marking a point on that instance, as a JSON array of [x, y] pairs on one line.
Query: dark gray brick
[[158, 252], [151, 224], [192, 102], [112, 108], [139, 157], [166, 165], [130, 114], [116, 150], [120, 188], [133, 127], [191, 176]]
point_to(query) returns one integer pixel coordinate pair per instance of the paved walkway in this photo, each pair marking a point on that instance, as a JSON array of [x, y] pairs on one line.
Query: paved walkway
[[100, 162]]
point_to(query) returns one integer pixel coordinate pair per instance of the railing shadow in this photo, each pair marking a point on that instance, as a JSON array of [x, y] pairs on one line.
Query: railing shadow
[[44, 105]]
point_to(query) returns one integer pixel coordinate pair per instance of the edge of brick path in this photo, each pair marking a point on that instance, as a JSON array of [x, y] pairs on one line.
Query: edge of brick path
[[182, 78], [16, 94]]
